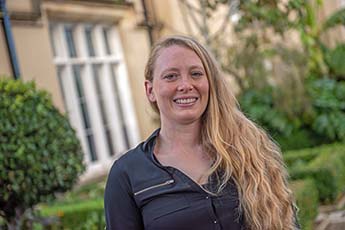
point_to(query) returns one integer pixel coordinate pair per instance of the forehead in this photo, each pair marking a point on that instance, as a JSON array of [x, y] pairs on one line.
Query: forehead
[[176, 56]]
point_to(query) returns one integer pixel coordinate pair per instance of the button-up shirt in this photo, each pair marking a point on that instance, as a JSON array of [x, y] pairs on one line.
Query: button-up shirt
[[143, 194]]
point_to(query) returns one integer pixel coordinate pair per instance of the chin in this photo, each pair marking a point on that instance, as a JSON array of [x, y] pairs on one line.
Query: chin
[[188, 118]]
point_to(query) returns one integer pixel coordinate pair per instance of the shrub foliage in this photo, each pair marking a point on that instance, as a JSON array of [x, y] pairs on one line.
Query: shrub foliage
[[40, 154], [307, 201], [321, 121], [325, 165]]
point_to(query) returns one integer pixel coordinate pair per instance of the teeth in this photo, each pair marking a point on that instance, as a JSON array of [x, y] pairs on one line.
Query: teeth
[[185, 101]]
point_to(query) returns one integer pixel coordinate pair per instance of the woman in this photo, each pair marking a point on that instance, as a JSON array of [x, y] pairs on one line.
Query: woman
[[208, 166]]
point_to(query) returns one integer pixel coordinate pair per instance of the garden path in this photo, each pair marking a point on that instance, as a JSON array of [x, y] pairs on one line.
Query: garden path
[[331, 217]]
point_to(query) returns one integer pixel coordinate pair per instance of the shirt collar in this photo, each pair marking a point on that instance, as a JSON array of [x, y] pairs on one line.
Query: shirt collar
[[148, 144]]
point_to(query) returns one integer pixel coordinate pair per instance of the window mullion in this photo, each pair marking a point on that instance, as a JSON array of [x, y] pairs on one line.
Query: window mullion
[[99, 44]]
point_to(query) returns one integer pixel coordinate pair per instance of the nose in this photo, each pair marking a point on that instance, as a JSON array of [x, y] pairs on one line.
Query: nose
[[185, 85]]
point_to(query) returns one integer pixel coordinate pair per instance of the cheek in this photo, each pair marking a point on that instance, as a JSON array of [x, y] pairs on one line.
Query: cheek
[[164, 91], [205, 88]]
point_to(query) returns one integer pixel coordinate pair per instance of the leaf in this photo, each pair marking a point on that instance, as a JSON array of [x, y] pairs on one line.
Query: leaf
[[335, 58], [337, 18]]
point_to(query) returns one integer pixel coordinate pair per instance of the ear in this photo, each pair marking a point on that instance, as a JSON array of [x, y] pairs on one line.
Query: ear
[[149, 91]]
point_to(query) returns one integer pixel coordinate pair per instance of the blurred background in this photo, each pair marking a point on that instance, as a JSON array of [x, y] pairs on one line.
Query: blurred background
[[284, 59]]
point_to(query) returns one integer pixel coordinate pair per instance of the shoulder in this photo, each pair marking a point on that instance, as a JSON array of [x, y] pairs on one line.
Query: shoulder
[[123, 169], [135, 166], [137, 157], [128, 160], [132, 155], [138, 154]]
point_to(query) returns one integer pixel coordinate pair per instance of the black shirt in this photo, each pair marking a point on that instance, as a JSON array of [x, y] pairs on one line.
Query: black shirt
[[142, 194]]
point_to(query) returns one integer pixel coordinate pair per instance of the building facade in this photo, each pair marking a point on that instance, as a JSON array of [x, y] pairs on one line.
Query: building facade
[[90, 55]]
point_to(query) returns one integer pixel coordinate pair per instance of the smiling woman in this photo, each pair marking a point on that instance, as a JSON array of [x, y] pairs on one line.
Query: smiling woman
[[179, 86], [208, 166]]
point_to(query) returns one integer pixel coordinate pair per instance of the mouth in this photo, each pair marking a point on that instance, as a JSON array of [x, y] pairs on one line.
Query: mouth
[[185, 101]]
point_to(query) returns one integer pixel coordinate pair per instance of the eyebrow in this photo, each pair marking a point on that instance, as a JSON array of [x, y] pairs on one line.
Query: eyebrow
[[197, 67], [177, 69], [200, 67], [170, 69]]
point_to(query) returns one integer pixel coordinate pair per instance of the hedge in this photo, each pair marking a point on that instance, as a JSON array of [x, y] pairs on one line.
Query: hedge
[[303, 156], [306, 195], [323, 178], [81, 215], [327, 169], [334, 162]]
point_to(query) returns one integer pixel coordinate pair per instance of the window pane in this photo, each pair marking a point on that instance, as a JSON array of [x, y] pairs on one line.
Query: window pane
[[89, 41], [97, 79], [121, 114], [106, 40], [70, 41], [84, 111], [81, 96], [108, 135], [91, 144], [60, 70]]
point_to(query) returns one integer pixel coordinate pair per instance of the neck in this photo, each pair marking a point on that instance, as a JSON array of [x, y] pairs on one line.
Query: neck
[[177, 136]]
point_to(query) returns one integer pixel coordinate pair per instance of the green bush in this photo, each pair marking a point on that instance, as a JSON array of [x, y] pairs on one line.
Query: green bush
[[325, 182], [299, 138], [91, 191], [297, 95], [335, 60], [322, 120], [327, 169], [328, 99], [40, 154], [332, 159], [306, 195], [81, 215], [259, 106], [302, 156]]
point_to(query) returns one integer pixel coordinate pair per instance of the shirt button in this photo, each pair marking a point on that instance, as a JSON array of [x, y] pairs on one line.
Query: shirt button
[[215, 222], [207, 197]]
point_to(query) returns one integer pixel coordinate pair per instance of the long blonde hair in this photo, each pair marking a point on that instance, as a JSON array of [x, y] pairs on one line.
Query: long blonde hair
[[239, 148]]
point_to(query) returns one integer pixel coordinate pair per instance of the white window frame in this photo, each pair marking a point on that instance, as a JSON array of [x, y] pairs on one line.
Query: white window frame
[[112, 108]]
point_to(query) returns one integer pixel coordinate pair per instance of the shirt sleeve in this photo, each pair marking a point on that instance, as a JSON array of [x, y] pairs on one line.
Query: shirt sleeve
[[120, 208]]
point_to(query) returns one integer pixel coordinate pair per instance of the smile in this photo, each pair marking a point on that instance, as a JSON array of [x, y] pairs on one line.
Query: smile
[[185, 100]]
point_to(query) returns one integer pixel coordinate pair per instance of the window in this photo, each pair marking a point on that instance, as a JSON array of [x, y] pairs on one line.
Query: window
[[94, 85]]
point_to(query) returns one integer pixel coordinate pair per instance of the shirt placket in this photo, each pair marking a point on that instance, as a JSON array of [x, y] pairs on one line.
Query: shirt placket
[[208, 198]]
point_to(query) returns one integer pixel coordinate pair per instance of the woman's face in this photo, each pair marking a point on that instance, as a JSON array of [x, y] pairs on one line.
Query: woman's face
[[180, 86]]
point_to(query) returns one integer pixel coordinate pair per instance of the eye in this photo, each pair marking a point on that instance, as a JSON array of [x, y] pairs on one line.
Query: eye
[[197, 74], [170, 76]]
